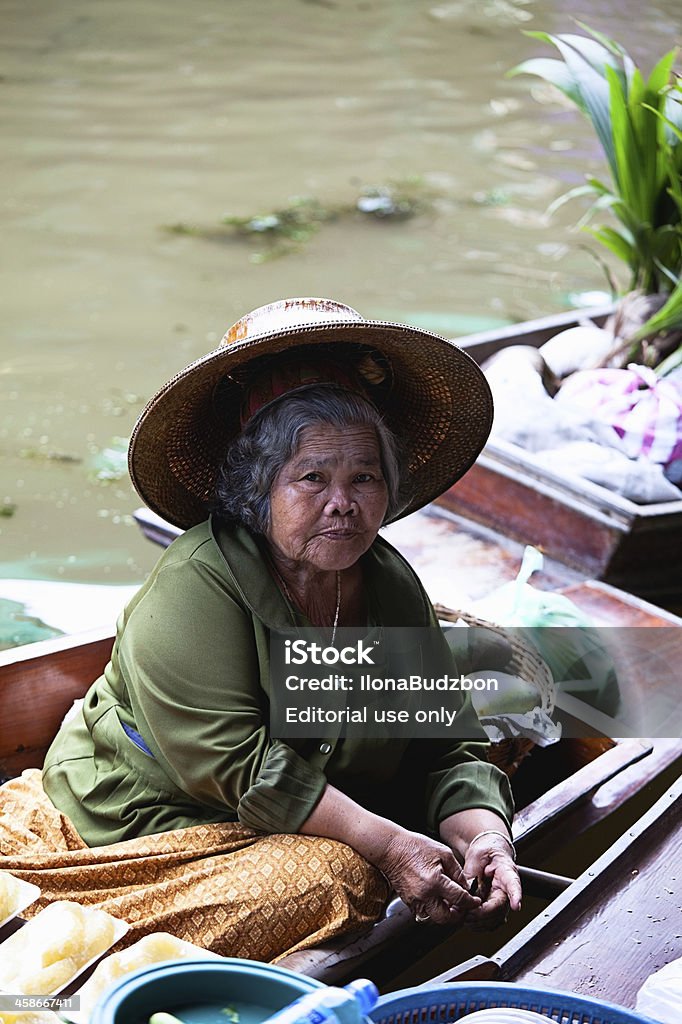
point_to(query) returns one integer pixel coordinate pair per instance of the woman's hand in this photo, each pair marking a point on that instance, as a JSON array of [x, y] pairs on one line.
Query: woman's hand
[[426, 876], [490, 864], [423, 872], [481, 840]]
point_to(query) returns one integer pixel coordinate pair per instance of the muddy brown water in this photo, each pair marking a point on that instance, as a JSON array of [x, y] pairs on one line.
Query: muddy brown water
[[121, 117]]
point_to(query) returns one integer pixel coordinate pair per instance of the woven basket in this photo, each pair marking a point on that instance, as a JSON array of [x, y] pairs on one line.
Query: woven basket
[[526, 663]]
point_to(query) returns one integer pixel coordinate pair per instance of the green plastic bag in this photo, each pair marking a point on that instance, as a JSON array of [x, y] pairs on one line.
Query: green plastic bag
[[563, 635]]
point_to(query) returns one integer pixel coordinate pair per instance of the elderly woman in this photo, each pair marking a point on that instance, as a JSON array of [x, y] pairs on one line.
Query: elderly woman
[[302, 434]]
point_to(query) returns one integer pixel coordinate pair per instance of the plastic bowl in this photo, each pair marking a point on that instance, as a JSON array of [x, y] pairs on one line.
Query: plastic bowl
[[198, 990]]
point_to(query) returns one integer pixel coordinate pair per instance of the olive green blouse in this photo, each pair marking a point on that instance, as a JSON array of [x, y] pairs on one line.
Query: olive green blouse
[[189, 681]]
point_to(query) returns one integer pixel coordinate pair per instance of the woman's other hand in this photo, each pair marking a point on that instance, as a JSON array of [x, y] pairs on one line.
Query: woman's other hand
[[490, 865], [426, 876]]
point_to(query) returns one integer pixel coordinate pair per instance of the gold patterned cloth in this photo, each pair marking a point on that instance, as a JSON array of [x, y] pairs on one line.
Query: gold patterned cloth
[[221, 886]]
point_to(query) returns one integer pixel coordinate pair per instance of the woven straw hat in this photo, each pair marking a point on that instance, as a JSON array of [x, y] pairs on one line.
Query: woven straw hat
[[432, 395]]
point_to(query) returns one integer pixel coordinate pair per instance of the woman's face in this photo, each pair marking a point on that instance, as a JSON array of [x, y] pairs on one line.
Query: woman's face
[[329, 500]]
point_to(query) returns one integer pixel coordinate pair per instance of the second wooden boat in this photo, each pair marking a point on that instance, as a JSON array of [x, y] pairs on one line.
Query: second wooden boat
[[635, 547]]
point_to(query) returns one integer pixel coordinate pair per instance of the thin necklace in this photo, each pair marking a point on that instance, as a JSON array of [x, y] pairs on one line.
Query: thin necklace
[[292, 602]]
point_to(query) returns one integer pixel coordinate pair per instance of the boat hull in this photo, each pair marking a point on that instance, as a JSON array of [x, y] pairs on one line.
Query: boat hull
[[634, 547]]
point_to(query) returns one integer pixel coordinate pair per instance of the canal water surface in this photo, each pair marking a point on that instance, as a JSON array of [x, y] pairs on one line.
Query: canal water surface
[[130, 130]]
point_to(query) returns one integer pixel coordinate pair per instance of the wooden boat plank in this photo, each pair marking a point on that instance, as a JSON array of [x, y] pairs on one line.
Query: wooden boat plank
[[604, 604], [45, 677], [623, 925], [611, 507], [506, 501], [616, 924], [611, 800], [632, 546], [532, 332], [477, 968], [446, 549], [608, 507], [544, 811]]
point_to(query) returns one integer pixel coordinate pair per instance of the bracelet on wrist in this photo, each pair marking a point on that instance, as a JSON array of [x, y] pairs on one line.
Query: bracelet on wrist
[[495, 832]]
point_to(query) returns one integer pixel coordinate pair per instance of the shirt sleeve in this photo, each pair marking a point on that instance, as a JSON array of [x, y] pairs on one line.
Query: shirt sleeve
[[461, 779], [192, 663]]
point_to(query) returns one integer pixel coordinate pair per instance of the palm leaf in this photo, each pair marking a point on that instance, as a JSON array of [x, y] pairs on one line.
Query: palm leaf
[[666, 272], [617, 242], [615, 48], [668, 317], [671, 154], [671, 123], [553, 71], [673, 105], [573, 193], [608, 201], [670, 363], [597, 54], [625, 169], [660, 76], [638, 123], [585, 60], [606, 41]]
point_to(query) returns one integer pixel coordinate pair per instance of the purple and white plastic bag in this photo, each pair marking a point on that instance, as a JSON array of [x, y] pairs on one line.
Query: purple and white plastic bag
[[644, 410]]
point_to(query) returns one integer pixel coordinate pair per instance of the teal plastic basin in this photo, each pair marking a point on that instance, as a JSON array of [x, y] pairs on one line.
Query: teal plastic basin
[[200, 991]]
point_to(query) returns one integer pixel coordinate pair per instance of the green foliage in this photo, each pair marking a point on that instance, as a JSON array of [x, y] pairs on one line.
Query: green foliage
[[294, 223], [668, 318], [638, 123], [286, 229]]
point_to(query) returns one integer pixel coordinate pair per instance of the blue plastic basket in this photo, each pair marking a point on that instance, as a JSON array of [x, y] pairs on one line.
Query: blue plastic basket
[[436, 1004]]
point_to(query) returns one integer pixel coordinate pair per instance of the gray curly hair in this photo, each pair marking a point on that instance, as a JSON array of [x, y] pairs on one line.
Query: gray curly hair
[[271, 438]]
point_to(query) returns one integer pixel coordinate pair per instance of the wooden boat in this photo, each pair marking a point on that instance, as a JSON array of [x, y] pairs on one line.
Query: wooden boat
[[592, 780], [634, 547], [564, 793], [611, 928], [38, 684]]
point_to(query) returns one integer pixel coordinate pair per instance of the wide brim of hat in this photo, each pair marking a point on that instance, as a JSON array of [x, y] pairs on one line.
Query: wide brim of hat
[[439, 406]]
